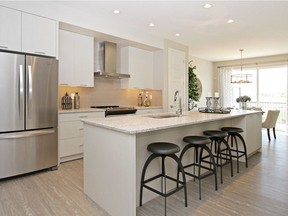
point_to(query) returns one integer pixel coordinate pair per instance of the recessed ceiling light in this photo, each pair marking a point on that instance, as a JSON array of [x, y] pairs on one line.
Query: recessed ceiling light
[[207, 5], [151, 24], [116, 11], [230, 21], [177, 34]]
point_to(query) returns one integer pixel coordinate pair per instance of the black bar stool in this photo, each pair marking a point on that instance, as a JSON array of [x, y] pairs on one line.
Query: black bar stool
[[199, 143], [163, 150], [217, 138], [233, 133]]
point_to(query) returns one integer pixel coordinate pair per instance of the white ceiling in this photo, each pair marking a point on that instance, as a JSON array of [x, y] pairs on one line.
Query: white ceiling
[[260, 27]]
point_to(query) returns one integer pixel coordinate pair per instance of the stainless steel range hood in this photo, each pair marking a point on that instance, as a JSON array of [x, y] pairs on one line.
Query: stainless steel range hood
[[106, 59]]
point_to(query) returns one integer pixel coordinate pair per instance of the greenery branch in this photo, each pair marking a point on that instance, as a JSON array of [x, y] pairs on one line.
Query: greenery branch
[[193, 84]]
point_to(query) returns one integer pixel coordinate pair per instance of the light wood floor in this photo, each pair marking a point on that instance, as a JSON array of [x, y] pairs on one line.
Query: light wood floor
[[261, 189]]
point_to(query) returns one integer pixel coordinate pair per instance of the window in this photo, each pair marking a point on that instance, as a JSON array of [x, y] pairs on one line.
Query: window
[[268, 90]]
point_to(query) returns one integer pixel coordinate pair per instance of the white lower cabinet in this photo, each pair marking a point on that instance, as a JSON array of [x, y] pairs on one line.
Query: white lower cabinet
[[71, 134]]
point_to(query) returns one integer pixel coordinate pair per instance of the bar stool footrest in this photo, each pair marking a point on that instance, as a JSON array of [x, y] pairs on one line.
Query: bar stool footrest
[[172, 191]]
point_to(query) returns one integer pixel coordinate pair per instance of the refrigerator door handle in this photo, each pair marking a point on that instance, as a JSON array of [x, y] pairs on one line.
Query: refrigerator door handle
[[30, 90], [26, 134], [21, 92]]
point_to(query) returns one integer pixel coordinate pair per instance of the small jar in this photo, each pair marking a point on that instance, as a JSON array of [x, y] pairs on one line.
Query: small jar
[[76, 101]]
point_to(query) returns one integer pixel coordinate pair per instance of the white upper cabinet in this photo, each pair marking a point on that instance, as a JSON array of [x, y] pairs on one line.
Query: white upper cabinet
[[39, 35], [27, 33], [139, 64], [10, 31], [76, 59]]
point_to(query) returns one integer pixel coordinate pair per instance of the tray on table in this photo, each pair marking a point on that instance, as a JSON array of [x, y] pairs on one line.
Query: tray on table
[[214, 110]]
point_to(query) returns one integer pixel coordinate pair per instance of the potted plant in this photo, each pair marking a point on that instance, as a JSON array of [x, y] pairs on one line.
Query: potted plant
[[242, 100]]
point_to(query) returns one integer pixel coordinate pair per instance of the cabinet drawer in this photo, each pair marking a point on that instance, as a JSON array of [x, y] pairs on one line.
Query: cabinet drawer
[[70, 129], [79, 116], [70, 147]]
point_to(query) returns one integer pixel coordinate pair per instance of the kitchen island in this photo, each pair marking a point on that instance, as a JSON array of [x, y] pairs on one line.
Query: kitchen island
[[115, 151]]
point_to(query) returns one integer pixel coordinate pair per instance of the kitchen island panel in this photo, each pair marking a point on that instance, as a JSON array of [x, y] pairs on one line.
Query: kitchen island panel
[[118, 193], [110, 169]]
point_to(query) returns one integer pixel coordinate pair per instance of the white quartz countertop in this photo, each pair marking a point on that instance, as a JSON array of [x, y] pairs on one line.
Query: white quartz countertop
[[145, 123], [61, 111]]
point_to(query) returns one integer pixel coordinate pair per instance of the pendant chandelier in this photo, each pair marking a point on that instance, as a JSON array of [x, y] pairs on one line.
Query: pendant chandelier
[[241, 78]]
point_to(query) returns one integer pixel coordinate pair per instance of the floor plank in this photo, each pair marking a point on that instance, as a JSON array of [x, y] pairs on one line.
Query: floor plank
[[260, 189]]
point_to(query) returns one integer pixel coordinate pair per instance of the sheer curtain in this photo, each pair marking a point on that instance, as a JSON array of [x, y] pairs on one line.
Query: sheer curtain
[[225, 88]]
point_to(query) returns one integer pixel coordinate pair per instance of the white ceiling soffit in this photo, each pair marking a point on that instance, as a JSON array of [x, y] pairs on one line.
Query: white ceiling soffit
[[259, 27]]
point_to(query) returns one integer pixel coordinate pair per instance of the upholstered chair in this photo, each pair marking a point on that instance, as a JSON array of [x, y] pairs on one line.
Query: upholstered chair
[[270, 122]]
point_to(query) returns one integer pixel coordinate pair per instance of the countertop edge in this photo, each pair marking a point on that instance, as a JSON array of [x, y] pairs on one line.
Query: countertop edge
[[118, 128], [81, 110]]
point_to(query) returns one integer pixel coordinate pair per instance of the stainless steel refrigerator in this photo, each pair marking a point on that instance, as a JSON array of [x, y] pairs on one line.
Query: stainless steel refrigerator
[[29, 114]]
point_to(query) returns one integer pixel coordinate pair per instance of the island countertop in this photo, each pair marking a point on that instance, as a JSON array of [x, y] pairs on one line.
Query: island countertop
[[145, 123]]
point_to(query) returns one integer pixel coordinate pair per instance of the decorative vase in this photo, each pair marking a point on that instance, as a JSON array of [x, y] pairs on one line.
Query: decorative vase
[[243, 105]]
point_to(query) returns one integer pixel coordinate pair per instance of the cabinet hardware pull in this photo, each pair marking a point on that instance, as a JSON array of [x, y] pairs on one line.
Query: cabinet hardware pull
[[39, 52], [66, 84], [3, 47]]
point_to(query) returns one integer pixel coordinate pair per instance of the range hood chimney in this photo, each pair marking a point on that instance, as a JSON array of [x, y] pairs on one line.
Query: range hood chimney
[[105, 62]]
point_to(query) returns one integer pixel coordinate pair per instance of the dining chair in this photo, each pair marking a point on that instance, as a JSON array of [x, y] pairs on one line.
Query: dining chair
[[270, 122]]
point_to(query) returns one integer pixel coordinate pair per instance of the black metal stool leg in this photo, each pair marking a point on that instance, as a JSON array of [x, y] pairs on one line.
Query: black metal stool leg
[[237, 152], [244, 147], [214, 165], [148, 161], [183, 175], [229, 153]]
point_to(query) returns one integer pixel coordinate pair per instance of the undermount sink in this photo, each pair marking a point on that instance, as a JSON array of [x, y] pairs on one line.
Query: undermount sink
[[163, 115]]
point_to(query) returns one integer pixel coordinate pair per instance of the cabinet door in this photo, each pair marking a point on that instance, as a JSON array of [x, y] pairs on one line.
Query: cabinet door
[[39, 35], [10, 31], [70, 129], [75, 59], [83, 61], [71, 134], [66, 58], [139, 64]]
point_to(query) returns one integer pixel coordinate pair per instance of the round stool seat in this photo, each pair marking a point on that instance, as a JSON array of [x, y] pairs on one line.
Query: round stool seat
[[197, 140], [163, 148], [232, 129], [215, 133]]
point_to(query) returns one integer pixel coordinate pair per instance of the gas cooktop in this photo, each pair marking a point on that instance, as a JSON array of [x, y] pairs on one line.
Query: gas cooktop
[[116, 110], [105, 107]]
